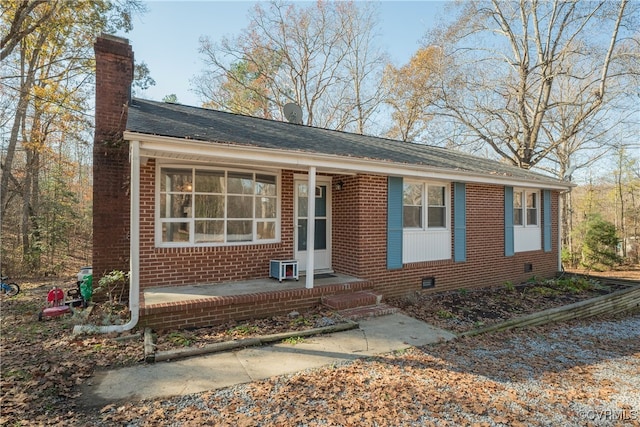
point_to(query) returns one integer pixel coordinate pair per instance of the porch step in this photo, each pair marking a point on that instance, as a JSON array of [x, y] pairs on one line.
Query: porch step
[[351, 300], [367, 312]]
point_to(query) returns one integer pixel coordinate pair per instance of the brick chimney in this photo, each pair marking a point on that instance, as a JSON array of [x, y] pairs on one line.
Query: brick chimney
[[111, 170]]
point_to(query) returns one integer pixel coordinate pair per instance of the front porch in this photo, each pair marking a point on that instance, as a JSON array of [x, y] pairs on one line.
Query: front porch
[[209, 304]]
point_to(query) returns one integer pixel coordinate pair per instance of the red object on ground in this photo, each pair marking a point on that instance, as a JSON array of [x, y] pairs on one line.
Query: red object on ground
[[55, 298]]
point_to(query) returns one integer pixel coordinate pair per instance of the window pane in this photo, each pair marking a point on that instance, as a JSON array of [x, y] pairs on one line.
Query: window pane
[[412, 217], [175, 232], [302, 234], [531, 200], [302, 200], [532, 216], [266, 230], [209, 181], [175, 180], [175, 205], [321, 200], [320, 238], [437, 216], [517, 217], [517, 199], [240, 207], [240, 183], [412, 194], [266, 185], [239, 231], [266, 207], [436, 196], [209, 206], [209, 231]]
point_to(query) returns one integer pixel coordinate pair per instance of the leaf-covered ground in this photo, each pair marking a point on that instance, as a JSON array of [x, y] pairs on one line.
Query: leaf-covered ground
[[585, 373], [462, 310]]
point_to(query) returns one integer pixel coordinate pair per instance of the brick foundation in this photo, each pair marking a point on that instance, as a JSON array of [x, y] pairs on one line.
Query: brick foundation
[[217, 310]]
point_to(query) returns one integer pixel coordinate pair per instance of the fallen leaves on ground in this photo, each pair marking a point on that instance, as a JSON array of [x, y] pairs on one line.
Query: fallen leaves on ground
[[554, 375], [465, 309]]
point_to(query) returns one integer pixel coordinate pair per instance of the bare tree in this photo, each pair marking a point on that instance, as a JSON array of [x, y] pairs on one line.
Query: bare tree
[[320, 57], [528, 78]]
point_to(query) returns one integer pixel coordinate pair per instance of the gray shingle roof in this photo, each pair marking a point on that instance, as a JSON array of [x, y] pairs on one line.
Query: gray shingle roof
[[186, 122]]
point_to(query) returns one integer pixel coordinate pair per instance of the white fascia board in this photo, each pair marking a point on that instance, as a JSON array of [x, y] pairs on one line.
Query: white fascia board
[[186, 149]]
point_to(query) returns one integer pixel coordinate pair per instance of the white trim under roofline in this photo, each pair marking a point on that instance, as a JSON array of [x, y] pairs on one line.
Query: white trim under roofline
[[186, 149]]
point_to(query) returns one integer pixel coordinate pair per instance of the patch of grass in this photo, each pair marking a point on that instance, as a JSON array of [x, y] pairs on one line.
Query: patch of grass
[[293, 340], [242, 330], [566, 285], [577, 285], [445, 314], [463, 291], [19, 374], [300, 321], [545, 291], [180, 339], [509, 286]]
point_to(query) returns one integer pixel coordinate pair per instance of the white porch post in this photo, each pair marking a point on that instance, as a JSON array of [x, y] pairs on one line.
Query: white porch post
[[311, 222]]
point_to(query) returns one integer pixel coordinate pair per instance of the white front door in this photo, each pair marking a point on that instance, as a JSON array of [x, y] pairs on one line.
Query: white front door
[[322, 244]]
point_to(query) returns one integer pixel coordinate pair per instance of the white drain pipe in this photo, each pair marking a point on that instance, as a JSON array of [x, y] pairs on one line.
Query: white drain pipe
[[134, 253]]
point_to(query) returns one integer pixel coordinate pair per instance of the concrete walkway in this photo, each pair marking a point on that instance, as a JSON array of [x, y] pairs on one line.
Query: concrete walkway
[[165, 379]]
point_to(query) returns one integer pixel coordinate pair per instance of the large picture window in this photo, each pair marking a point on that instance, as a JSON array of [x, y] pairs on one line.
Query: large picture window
[[214, 206]]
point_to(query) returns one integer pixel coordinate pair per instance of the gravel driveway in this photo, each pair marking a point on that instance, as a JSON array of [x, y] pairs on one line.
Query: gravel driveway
[[577, 374]]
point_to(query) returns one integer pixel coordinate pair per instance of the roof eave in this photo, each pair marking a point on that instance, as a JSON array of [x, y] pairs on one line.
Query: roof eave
[[195, 150]]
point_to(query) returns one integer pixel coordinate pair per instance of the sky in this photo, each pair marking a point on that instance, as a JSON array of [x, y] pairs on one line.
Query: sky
[[166, 37]]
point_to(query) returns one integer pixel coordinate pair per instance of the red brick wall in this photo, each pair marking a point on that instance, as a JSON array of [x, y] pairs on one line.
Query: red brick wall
[[360, 215], [215, 311], [114, 74], [180, 266], [359, 243]]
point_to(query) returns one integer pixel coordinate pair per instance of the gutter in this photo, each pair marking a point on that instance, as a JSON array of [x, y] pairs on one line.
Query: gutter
[[134, 254], [164, 146]]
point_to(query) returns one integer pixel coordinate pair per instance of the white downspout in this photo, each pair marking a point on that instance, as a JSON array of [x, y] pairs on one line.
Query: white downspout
[[311, 225], [134, 253], [560, 212]]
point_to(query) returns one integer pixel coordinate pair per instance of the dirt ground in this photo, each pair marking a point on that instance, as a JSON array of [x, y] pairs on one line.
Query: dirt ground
[[43, 364]]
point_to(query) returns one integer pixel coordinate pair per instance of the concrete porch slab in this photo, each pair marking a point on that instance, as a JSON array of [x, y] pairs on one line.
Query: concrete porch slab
[[173, 294]]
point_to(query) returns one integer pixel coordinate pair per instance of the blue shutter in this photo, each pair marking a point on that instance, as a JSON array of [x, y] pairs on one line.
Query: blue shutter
[[546, 219], [508, 222], [394, 223], [459, 222]]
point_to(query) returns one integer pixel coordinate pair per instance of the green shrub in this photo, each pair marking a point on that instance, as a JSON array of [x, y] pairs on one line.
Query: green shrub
[[599, 245]]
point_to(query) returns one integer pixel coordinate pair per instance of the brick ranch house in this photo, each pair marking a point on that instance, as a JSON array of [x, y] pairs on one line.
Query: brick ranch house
[[188, 197]]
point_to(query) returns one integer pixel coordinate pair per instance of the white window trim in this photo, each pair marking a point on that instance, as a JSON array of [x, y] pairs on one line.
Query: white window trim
[[525, 216], [420, 244], [158, 221], [425, 206], [528, 237]]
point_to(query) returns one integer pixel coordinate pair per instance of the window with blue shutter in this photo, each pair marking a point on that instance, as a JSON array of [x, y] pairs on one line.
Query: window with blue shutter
[[394, 223], [508, 221], [459, 222], [546, 219]]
